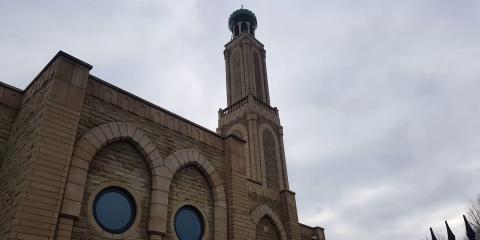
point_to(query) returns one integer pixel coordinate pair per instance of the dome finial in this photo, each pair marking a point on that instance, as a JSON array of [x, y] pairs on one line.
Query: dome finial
[[242, 20]]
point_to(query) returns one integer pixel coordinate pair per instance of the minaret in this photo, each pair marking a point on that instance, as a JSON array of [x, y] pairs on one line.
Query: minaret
[[245, 59], [249, 114], [261, 170]]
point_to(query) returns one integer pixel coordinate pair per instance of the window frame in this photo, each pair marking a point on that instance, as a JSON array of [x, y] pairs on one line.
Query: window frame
[[131, 201]]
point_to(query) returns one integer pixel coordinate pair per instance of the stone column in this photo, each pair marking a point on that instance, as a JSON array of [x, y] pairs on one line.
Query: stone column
[[289, 206], [236, 189]]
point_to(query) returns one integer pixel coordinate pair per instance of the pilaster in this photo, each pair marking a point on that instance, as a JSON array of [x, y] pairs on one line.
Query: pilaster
[[283, 160], [236, 189], [57, 94], [290, 211]]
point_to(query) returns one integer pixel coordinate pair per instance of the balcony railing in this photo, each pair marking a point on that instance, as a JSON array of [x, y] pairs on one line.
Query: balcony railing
[[249, 100]]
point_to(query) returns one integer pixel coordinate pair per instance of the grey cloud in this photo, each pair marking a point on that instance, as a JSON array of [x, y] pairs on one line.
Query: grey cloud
[[379, 99]]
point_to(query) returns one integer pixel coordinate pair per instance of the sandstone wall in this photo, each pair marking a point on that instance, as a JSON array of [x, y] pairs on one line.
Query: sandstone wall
[[20, 145], [9, 104], [309, 233], [118, 163], [96, 112], [190, 187]]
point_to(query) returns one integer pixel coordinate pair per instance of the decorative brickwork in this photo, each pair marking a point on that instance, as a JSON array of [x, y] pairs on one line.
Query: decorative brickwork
[[133, 104], [10, 96]]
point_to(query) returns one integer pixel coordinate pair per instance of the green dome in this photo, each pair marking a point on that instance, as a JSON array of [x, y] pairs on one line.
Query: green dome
[[242, 15]]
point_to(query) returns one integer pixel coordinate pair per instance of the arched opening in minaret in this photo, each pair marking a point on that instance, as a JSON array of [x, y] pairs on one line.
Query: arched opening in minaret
[[244, 27], [258, 77], [236, 76], [271, 161], [236, 30]]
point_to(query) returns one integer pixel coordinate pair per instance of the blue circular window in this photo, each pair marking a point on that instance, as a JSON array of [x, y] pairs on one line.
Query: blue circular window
[[189, 224], [114, 209]]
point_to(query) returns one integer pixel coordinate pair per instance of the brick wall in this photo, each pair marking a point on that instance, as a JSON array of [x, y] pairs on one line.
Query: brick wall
[[189, 186], [119, 162], [13, 171], [306, 232], [7, 119], [266, 230], [96, 112], [275, 204], [309, 233]]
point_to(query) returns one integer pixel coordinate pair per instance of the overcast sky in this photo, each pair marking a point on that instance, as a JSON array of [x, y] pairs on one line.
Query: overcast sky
[[379, 99]]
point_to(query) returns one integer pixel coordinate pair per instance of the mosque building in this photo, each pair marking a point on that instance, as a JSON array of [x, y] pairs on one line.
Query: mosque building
[[83, 159]]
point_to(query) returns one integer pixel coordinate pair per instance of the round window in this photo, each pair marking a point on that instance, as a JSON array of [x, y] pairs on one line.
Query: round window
[[189, 223], [114, 209]]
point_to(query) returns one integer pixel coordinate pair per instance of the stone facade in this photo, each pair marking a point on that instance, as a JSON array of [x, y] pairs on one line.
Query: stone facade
[[69, 135]]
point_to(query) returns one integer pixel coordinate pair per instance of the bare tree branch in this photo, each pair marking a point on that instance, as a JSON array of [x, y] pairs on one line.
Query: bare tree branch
[[473, 215]]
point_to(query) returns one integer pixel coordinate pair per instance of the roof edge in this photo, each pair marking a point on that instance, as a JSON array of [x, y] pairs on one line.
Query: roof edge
[[60, 53], [156, 106], [305, 225], [11, 87]]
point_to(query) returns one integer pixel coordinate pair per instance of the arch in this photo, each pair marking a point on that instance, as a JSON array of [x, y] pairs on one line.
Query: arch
[[257, 67], [84, 152], [236, 30], [237, 85], [164, 176], [251, 169], [267, 127], [244, 27], [265, 211]]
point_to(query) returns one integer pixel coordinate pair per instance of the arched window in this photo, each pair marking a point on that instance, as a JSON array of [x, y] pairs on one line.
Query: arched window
[[271, 161], [258, 77], [235, 76], [236, 30], [266, 230], [244, 27]]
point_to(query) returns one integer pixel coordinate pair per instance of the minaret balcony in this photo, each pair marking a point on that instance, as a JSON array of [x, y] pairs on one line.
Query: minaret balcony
[[248, 104]]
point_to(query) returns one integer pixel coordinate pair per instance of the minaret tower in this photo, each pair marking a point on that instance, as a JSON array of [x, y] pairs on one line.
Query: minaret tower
[[250, 116], [245, 60]]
